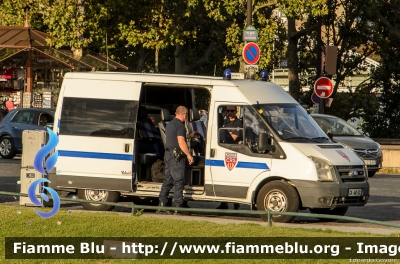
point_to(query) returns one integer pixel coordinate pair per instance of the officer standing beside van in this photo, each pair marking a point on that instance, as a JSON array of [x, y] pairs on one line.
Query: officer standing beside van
[[176, 154]]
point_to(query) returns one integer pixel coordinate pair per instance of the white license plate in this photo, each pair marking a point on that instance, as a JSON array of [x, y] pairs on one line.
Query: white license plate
[[370, 162], [355, 192]]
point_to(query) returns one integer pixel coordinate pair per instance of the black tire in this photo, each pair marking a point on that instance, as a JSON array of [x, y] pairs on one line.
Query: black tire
[[340, 211], [278, 196], [7, 148], [100, 196], [371, 174]]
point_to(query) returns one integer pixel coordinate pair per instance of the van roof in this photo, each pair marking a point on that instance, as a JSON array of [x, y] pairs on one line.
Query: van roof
[[147, 77], [255, 91]]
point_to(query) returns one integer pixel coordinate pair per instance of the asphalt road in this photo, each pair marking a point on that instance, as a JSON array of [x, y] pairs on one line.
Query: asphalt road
[[383, 205]]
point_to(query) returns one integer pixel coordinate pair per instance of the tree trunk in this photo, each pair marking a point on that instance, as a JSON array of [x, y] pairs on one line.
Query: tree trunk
[[156, 60], [141, 62], [80, 11], [292, 60], [179, 59]]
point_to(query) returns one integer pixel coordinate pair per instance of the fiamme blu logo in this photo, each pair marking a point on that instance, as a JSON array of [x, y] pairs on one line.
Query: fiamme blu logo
[[44, 161]]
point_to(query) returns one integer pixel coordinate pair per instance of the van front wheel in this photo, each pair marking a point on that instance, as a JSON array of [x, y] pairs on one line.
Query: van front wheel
[[99, 196], [278, 196]]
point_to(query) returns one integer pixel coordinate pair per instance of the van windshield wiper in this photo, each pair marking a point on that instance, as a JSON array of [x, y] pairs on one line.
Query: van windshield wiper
[[298, 138]]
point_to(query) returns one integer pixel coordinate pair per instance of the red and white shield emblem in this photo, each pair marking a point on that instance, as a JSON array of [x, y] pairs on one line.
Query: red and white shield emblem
[[341, 153], [230, 160]]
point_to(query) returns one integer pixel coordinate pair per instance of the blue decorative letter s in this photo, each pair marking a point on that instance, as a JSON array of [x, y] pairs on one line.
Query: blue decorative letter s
[[43, 152], [35, 200], [40, 158]]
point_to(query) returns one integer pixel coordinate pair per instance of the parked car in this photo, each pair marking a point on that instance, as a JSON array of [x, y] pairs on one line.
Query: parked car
[[342, 132], [18, 120]]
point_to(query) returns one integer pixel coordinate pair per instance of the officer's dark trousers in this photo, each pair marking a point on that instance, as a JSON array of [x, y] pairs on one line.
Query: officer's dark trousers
[[174, 177]]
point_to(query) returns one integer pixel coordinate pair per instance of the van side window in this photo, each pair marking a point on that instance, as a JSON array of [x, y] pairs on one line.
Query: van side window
[[98, 117], [230, 124]]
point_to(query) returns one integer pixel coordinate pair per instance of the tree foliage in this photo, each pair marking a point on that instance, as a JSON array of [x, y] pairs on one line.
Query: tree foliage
[[204, 37]]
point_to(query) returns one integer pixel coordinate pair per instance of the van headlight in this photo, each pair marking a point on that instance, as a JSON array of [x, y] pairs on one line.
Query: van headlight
[[325, 170]]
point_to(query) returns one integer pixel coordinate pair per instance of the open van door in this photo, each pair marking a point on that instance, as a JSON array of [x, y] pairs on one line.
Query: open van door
[[96, 127]]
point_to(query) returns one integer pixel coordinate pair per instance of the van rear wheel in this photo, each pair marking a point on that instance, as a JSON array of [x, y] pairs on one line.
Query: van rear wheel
[[278, 196], [99, 196]]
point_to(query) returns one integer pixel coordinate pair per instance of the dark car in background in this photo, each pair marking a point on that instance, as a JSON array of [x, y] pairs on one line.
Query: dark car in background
[[18, 120], [342, 132]]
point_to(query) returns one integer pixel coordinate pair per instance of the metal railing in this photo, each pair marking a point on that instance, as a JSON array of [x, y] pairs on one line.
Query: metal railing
[[269, 213]]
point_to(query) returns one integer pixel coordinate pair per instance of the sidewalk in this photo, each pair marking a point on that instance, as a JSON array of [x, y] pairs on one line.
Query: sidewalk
[[351, 229]]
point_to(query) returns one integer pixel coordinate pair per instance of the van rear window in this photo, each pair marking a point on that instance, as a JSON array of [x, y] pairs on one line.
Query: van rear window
[[98, 117]]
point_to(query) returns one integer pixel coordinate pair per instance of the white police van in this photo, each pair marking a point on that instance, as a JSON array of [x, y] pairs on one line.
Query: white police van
[[111, 130]]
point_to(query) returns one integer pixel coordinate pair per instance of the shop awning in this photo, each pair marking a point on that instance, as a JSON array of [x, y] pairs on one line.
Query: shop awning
[[26, 47]]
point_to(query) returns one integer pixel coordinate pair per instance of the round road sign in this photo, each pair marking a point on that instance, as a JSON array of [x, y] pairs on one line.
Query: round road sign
[[315, 98], [323, 87], [251, 53]]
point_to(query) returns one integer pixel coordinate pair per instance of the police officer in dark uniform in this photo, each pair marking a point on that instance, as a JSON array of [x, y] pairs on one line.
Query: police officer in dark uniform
[[232, 122], [176, 154]]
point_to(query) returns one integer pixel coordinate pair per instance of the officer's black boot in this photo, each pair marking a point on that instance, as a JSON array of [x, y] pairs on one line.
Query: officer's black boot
[[161, 204], [176, 212]]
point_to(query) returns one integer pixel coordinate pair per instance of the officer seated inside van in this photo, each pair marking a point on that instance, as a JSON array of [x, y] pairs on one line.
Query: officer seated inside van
[[232, 136]]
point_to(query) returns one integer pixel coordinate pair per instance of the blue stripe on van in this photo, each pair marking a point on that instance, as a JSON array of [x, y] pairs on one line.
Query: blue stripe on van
[[94, 155], [241, 164], [217, 163]]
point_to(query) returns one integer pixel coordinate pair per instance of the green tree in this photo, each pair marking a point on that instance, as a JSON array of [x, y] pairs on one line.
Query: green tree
[[382, 119], [13, 13], [349, 27]]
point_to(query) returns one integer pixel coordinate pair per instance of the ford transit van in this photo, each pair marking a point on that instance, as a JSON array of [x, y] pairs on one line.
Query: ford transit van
[[283, 161]]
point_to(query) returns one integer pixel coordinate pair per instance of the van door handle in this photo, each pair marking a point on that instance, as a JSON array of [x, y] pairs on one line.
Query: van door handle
[[127, 147], [212, 153]]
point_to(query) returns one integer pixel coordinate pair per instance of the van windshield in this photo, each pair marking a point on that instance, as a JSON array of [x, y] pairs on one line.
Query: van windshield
[[292, 122]]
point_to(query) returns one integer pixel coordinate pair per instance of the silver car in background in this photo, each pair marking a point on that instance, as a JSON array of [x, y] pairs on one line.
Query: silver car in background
[[340, 131]]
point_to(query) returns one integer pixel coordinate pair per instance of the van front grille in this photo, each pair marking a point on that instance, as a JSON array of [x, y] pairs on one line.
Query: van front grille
[[351, 173]]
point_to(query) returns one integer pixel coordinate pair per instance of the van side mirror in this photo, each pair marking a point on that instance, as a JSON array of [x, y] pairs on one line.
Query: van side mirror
[[330, 135], [263, 144], [49, 125]]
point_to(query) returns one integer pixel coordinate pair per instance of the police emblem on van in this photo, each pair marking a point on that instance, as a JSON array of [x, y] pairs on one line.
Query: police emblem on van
[[341, 153], [230, 160]]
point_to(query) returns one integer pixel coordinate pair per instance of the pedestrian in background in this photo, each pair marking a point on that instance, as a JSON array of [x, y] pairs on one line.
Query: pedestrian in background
[[9, 104]]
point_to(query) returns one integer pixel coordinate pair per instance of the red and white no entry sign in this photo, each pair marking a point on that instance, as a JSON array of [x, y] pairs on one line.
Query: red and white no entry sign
[[323, 87], [251, 53]]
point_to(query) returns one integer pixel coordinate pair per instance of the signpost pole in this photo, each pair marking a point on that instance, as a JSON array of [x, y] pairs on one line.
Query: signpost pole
[[249, 11], [319, 64]]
